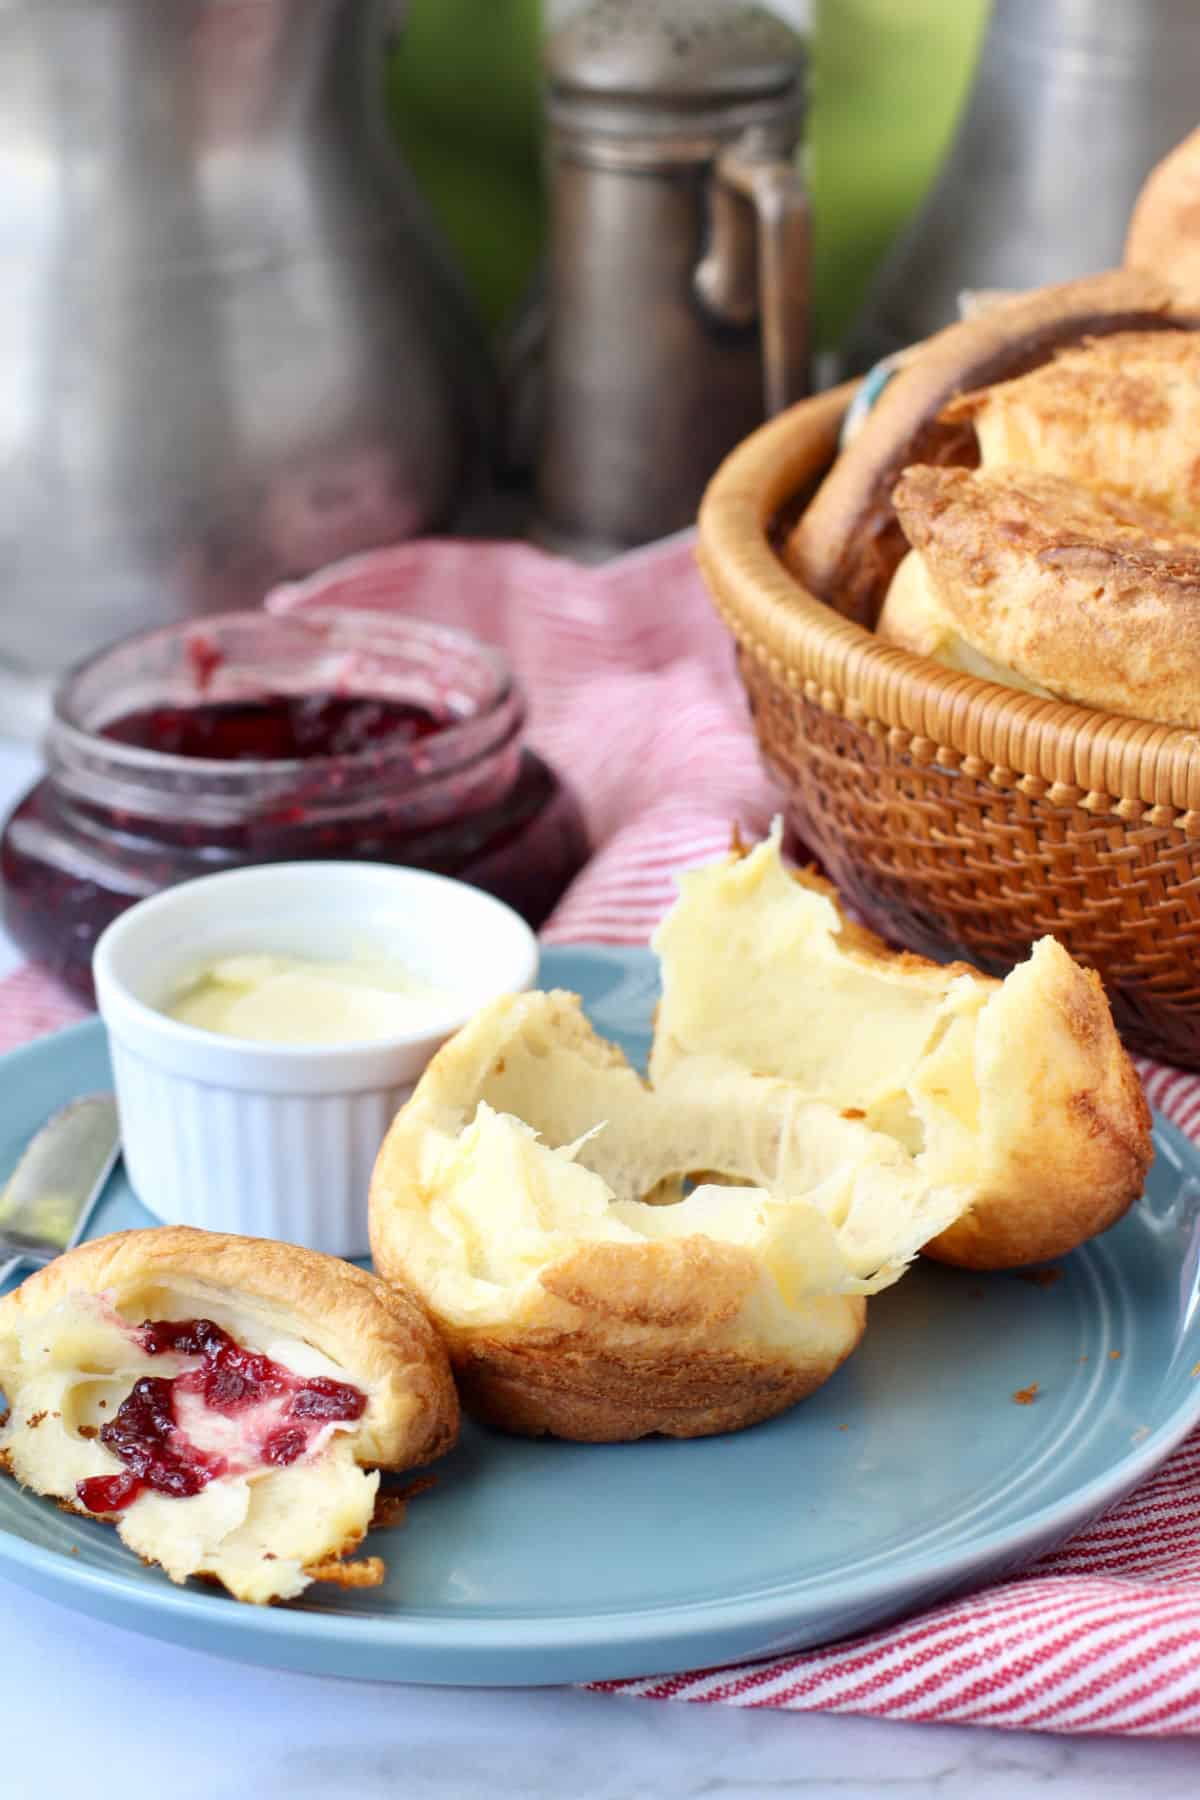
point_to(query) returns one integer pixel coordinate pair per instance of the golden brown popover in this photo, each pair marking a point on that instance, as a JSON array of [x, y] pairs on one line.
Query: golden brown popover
[[533, 1193], [1120, 413], [224, 1401], [847, 544], [1032, 581], [1017, 1092], [1164, 230]]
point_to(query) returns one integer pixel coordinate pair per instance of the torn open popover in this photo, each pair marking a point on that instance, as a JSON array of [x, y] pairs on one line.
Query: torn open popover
[[534, 1193], [224, 1401], [1018, 1094]]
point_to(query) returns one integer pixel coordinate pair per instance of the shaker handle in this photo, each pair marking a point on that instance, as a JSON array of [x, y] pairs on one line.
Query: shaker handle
[[753, 170]]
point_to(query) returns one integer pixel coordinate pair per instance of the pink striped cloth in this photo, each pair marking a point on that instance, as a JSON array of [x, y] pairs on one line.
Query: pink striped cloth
[[634, 696]]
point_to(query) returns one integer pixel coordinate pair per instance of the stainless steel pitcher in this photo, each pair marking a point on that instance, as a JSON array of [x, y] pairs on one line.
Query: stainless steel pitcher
[[1074, 101], [230, 348]]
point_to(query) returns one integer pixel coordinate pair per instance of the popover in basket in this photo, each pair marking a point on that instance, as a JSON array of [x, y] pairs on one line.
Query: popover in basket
[[1164, 229], [1068, 564], [1037, 583], [1118, 413], [847, 543]]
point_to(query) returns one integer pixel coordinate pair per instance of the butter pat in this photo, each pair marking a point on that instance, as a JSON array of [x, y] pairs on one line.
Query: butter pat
[[295, 1000]]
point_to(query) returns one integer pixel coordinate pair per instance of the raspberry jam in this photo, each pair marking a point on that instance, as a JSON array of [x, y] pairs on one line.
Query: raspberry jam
[[281, 727], [283, 1413], [334, 734]]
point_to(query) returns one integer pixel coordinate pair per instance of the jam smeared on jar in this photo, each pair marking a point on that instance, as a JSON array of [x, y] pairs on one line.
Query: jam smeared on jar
[[204, 658], [230, 1380], [276, 728]]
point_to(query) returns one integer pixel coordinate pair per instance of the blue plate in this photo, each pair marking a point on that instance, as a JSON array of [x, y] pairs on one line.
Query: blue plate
[[910, 1475]]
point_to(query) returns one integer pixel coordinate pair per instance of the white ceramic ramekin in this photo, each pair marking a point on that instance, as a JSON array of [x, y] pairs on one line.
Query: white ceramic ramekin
[[279, 1140]]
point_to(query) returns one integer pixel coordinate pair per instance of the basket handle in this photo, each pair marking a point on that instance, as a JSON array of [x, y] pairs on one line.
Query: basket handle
[[754, 174]]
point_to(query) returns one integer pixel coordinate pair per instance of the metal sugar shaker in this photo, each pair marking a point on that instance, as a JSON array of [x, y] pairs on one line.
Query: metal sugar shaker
[[678, 277]]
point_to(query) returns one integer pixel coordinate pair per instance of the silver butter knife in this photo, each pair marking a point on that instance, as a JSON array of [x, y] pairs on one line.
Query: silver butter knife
[[58, 1180]]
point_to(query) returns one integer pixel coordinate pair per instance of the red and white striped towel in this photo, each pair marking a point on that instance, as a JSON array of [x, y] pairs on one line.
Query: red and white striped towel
[[634, 696]]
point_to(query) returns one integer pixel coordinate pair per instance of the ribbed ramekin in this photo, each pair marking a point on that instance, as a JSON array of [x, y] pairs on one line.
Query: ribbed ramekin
[[272, 1140]]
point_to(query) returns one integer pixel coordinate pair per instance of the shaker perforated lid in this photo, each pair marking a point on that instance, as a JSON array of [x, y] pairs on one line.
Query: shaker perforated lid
[[664, 60]]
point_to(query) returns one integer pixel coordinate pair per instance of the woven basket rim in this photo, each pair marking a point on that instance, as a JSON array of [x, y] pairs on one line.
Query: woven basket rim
[[1075, 754]]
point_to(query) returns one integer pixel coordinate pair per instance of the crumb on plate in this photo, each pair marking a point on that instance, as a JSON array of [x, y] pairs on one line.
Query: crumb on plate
[[1042, 1278]]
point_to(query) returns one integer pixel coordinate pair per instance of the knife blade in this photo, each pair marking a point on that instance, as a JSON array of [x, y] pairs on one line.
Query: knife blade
[[59, 1177]]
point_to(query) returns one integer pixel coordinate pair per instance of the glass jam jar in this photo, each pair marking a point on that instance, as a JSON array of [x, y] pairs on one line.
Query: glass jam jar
[[247, 738]]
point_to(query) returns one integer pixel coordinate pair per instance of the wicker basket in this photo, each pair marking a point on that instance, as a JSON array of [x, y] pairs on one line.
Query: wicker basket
[[960, 817]]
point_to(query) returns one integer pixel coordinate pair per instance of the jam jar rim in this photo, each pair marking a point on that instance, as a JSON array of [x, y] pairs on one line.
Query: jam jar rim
[[505, 704]]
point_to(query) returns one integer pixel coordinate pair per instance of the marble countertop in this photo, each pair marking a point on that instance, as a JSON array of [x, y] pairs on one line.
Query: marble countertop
[[104, 1714], [98, 1712]]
